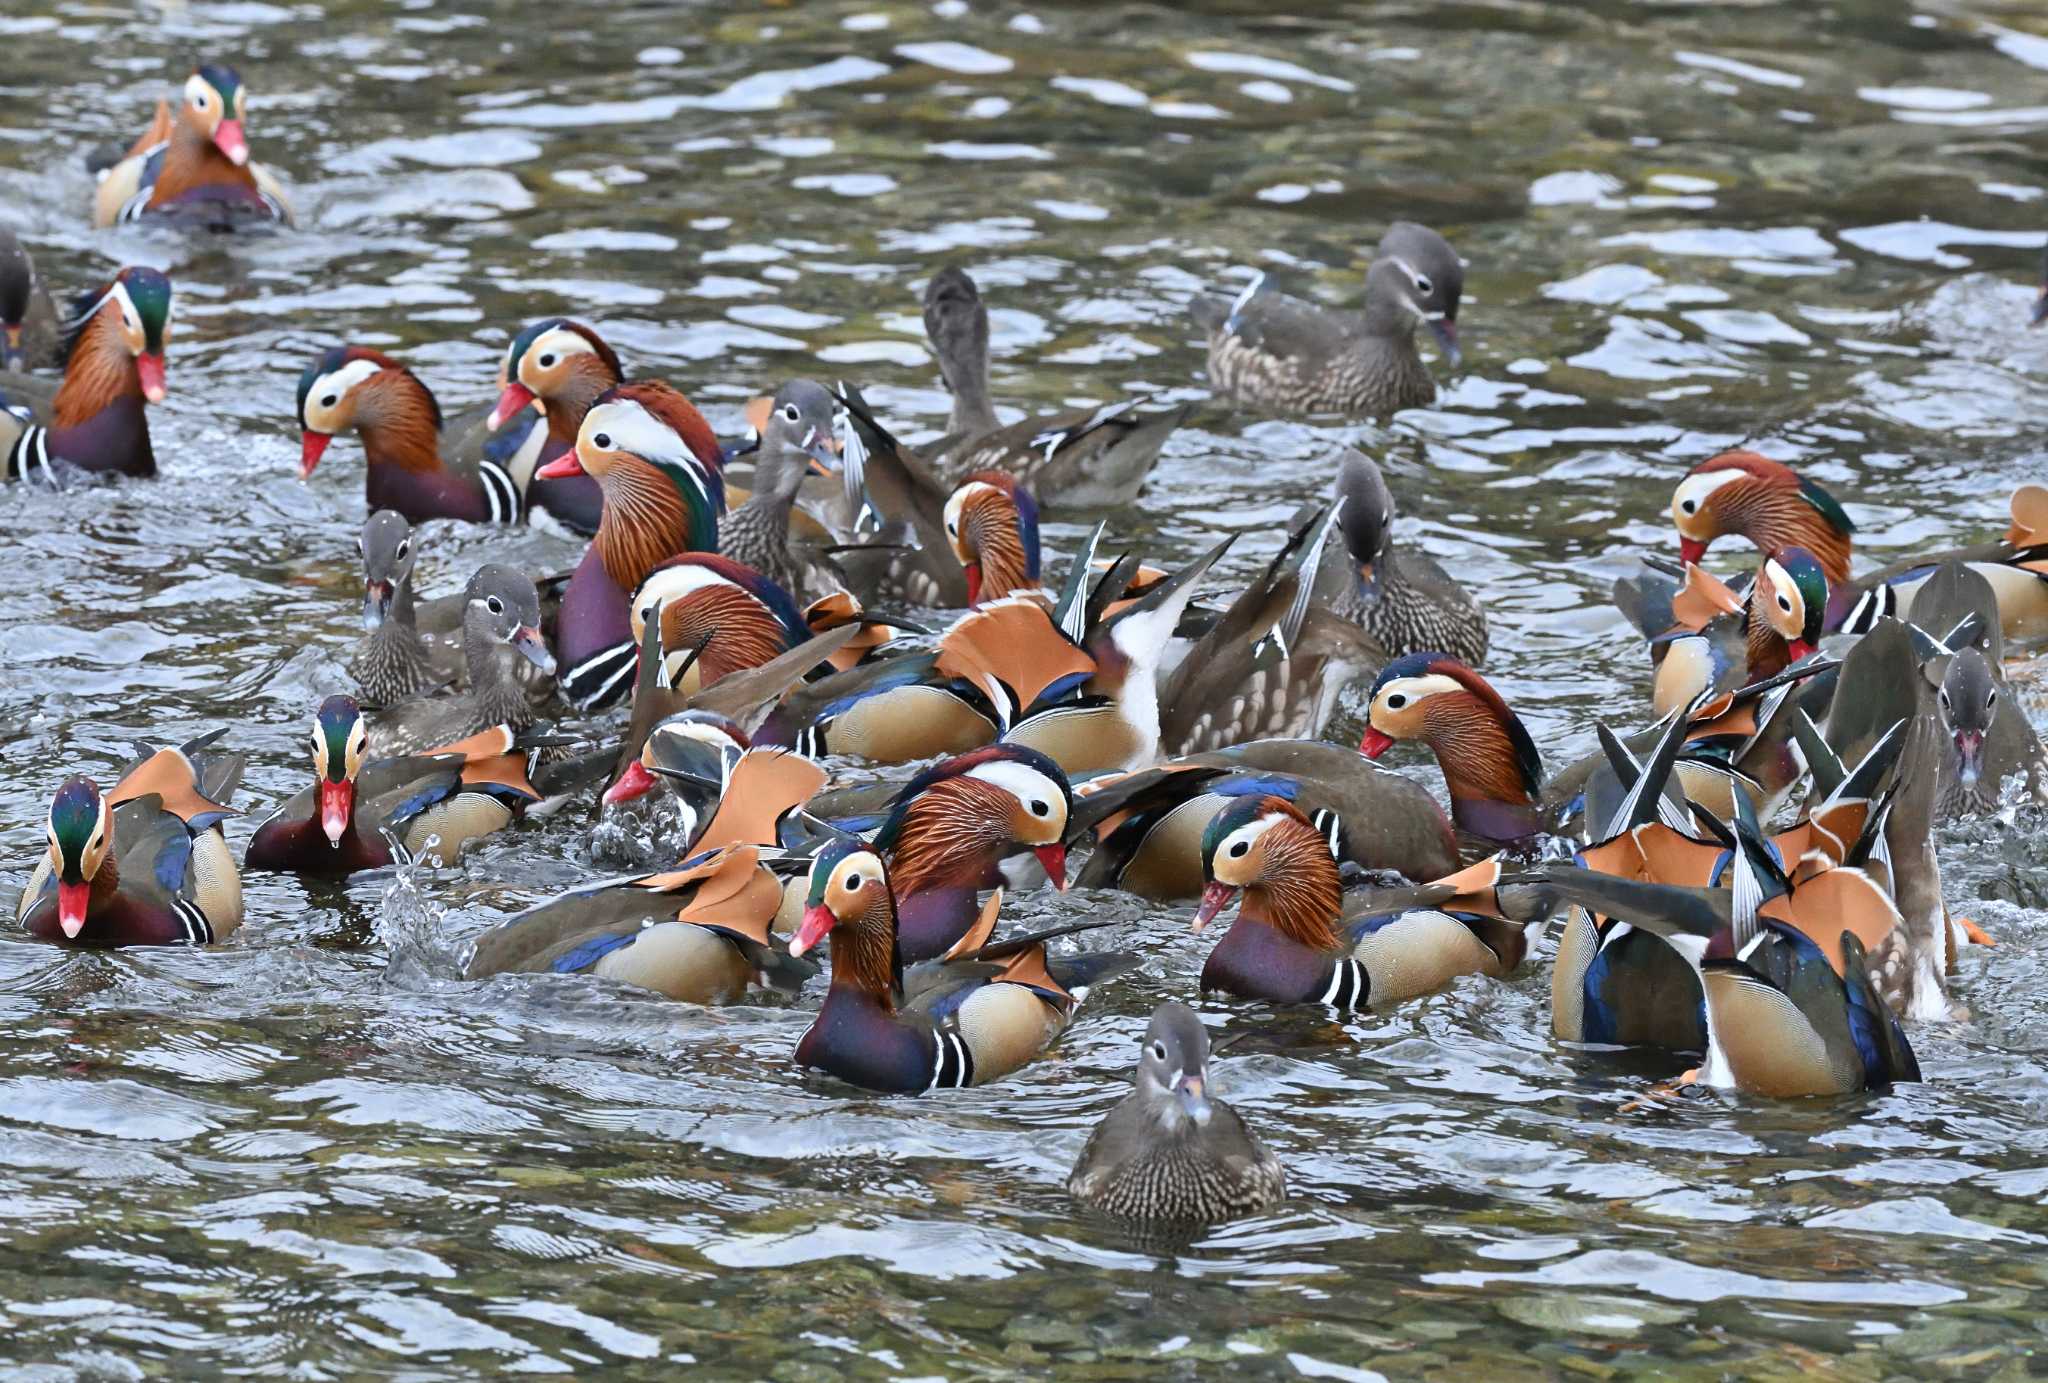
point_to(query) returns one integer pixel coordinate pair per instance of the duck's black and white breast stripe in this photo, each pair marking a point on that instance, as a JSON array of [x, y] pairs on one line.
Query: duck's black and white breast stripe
[[954, 1067], [198, 931], [29, 457], [601, 678], [1348, 986], [501, 492]]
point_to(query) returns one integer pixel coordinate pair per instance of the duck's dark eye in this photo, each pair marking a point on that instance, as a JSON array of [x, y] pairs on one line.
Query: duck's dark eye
[[602, 441], [547, 362], [404, 548], [1785, 605], [1397, 701], [495, 605], [1239, 850], [1991, 699], [853, 881], [1039, 808], [329, 400], [1423, 285], [1159, 1051], [1690, 506], [199, 100], [1944, 699], [789, 411]]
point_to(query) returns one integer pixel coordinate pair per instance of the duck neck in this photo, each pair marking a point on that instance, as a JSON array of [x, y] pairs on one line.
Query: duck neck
[[646, 519], [1769, 654], [1482, 766], [734, 629], [966, 374], [100, 373], [395, 417], [864, 956], [998, 544], [1298, 893], [952, 836], [493, 688], [1774, 516]]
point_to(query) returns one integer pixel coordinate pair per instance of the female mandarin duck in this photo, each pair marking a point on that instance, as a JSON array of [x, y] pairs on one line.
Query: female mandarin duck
[[1293, 942], [959, 1021], [500, 610], [192, 163], [145, 864], [1280, 352], [992, 527], [567, 367], [1397, 594], [1987, 739], [1149, 824], [392, 663], [433, 804], [1170, 1152], [28, 319], [658, 467], [949, 829], [94, 419], [353, 388], [698, 933], [1491, 767], [795, 437], [1091, 458]]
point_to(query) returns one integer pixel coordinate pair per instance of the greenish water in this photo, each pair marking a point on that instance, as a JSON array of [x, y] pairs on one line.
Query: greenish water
[[316, 1153]]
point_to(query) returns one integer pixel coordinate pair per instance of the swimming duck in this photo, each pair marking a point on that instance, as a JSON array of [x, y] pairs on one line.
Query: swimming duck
[[842, 609], [93, 420], [566, 366], [795, 436], [1170, 1152], [28, 319], [1148, 824], [1491, 766], [1273, 664], [501, 609], [1280, 352], [392, 663], [657, 465], [145, 864], [948, 830], [433, 804], [992, 527], [730, 793], [730, 615], [698, 933], [969, 1018], [1086, 459], [2015, 566], [1297, 939], [192, 163], [356, 389], [911, 559], [1706, 636], [1741, 494], [1987, 737], [1397, 594]]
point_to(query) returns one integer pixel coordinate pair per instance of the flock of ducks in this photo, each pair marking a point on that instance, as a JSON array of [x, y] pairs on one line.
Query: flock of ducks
[[1748, 881]]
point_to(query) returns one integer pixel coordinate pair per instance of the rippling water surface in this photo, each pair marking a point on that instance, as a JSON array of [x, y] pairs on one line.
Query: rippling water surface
[[317, 1152]]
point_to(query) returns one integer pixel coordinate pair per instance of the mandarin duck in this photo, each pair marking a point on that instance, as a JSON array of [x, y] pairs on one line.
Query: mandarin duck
[[432, 805], [947, 832], [992, 527], [1273, 664], [911, 559], [1086, 459], [145, 864], [93, 419], [1987, 739], [391, 663], [2015, 566], [1170, 1152], [698, 933], [28, 318], [728, 614], [1274, 351], [1706, 636], [973, 1016], [565, 366], [1148, 825], [871, 637], [1298, 939], [1397, 594], [1492, 770], [192, 164], [500, 610], [1792, 1009], [658, 467], [796, 435], [407, 469], [728, 792]]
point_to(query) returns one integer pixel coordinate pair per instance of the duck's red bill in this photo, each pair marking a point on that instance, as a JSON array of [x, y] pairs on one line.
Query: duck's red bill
[[71, 904], [1215, 898], [1375, 743], [515, 397], [337, 801], [562, 466], [311, 445], [636, 781], [232, 142], [818, 920], [1054, 858], [149, 369]]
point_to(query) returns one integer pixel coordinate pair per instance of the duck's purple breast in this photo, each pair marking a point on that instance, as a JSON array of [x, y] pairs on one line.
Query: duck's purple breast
[[594, 636], [1253, 961], [113, 441], [857, 1040]]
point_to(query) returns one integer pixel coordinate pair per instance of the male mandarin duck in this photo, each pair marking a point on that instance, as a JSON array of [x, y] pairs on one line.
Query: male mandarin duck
[[658, 467], [913, 561], [728, 614], [1087, 459], [841, 610], [1705, 636], [992, 527], [1148, 825], [1273, 664], [500, 610], [356, 389], [971, 1017], [145, 864], [698, 933], [567, 367], [1171, 1152], [2015, 566], [432, 804], [28, 319], [729, 792], [1491, 766], [93, 420], [1297, 939], [392, 663], [1397, 594], [796, 436], [1279, 352], [949, 829], [192, 163]]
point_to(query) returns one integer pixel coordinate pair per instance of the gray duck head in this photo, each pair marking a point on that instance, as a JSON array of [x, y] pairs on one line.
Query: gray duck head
[[1429, 281], [388, 552], [1968, 701], [501, 606], [1173, 1068]]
